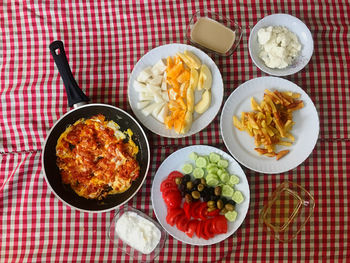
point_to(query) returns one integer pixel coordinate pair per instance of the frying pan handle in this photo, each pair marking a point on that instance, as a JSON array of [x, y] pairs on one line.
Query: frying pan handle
[[75, 95]]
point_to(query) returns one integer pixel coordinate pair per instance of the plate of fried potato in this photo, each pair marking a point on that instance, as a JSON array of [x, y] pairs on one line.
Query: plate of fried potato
[[165, 109], [269, 124]]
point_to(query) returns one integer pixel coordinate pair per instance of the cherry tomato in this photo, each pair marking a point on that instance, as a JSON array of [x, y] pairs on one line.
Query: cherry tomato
[[187, 209], [168, 190], [204, 230], [213, 213], [195, 209], [199, 230], [207, 229], [173, 213], [220, 223], [192, 227], [174, 174], [202, 210], [181, 223], [173, 199], [167, 183]]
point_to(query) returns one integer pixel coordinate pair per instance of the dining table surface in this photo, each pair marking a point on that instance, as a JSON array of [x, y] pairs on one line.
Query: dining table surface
[[103, 42]]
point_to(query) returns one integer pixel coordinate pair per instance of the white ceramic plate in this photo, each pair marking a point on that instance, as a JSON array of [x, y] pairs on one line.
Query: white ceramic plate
[[175, 162], [200, 121], [241, 145], [293, 24]]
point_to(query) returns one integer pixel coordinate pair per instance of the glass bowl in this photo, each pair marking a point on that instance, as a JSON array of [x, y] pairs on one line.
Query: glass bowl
[[287, 211], [125, 247], [228, 23]]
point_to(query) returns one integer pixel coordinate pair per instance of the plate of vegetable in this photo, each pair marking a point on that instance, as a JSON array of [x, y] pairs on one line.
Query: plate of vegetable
[[200, 195], [175, 90]]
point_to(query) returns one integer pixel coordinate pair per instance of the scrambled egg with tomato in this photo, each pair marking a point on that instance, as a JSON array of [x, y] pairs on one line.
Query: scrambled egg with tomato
[[96, 159]]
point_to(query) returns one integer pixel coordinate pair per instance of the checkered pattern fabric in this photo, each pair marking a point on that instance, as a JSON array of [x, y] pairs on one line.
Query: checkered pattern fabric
[[103, 41]]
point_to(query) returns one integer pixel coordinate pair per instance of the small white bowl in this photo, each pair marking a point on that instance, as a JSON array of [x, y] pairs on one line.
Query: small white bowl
[[126, 248], [294, 25]]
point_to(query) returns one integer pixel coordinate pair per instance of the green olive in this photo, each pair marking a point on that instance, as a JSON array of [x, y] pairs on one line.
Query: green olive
[[229, 207], [196, 195], [217, 190], [220, 204], [178, 180], [203, 182], [211, 203], [189, 185], [200, 187]]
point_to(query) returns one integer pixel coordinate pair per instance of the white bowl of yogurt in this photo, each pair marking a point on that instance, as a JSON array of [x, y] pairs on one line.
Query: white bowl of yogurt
[[136, 234], [273, 48]]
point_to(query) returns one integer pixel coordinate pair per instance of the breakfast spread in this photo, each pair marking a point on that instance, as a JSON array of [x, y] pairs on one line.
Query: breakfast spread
[[167, 90], [271, 122], [137, 232], [97, 159], [279, 46]]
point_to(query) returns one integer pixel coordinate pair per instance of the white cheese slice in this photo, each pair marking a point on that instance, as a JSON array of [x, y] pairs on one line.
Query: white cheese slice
[[156, 80], [139, 87], [165, 96], [163, 113], [157, 109], [158, 68], [144, 75], [143, 96], [142, 104], [149, 109]]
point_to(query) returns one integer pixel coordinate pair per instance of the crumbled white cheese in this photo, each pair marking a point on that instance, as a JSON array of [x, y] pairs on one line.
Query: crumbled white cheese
[[279, 46]]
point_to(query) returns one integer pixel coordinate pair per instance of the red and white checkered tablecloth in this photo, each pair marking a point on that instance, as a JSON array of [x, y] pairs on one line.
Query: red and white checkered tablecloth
[[103, 41]]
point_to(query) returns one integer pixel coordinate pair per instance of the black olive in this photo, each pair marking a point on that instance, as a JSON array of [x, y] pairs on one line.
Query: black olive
[[206, 198], [211, 190], [182, 187], [197, 182], [224, 200], [186, 178], [205, 192]]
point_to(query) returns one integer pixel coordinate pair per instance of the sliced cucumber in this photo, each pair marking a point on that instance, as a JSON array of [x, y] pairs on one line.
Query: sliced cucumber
[[212, 182], [212, 176], [227, 191], [220, 171], [193, 156], [198, 172], [214, 157], [234, 179], [238, 197], [213, 170], [231, 215], [224, 177], [223, 163], [187, 168], [211, 165], [201, 162]]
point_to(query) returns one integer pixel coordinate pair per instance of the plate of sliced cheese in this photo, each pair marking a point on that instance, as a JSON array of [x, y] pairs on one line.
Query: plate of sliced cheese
[[175, 90]]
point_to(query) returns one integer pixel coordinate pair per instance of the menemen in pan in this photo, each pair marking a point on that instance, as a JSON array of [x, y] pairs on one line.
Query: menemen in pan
[[96, 159]]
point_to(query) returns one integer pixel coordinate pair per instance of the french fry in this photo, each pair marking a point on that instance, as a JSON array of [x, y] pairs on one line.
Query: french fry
[[281, 154], [270, 122]]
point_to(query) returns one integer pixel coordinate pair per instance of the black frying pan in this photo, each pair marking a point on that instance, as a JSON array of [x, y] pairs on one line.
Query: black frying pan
[[78, 100]]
